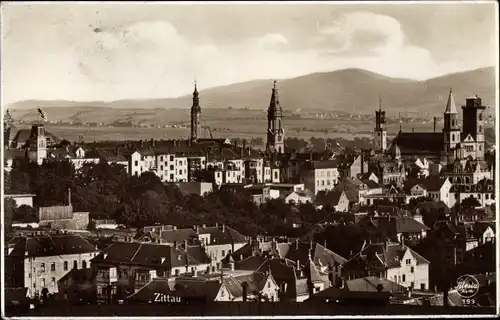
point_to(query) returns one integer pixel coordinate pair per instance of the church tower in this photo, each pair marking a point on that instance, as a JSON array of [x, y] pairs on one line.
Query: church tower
[[275, 131], [195, 115], [380, 129], [37, 144], [473, 125], [451, 130]]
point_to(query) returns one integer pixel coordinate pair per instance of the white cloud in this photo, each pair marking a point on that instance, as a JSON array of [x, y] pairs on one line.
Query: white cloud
[[153, 59]]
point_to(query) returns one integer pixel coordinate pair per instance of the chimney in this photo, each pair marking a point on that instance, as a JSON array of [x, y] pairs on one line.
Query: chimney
[[185, 244], [152, 142], [69, 196], [386, 245], [175, 244], [245, 291], [435, 120], [195, 272], [231, 266], [248, 150], [223, 228], [217, 225], [242, 151], [298, 264], [141, 143], [297, 244], [197, 228]]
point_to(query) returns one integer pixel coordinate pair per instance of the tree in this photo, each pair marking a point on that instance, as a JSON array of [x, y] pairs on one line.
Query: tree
[[25, 214], [10, 207], [469, 203]]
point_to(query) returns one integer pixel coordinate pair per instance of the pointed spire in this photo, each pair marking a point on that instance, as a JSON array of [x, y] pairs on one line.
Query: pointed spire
[[379, 102], [274, 104], [450, 105]]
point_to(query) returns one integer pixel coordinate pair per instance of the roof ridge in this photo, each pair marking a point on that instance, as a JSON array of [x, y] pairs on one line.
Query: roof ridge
[[137, 251]]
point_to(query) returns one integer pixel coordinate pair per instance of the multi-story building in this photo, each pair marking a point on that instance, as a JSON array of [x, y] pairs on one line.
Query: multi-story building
[[125, 267], [483, 192], [39, 262], [319, 175], [395, 262]]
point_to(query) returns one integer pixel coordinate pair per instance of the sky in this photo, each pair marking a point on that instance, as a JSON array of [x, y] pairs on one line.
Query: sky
[[113, 51]]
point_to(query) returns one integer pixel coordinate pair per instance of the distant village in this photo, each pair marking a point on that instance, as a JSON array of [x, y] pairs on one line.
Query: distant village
[[396, 224]]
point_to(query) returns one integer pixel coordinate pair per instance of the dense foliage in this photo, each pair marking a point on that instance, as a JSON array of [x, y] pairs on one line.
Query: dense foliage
[[108, 192]]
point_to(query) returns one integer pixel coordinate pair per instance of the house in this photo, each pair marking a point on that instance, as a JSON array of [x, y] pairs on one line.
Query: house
[[126, 267], [217, 240], [199, 188], [21, 199], [319, 175], [433, 187], [351, 165], [337, 198], [403, 229], [483, 192], [395, 262], [326, 261], [39, 262], [298, 197], [77, 286], [466, 171]]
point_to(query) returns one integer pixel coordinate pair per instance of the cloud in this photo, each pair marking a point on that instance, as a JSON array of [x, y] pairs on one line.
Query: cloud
[[154, 59]]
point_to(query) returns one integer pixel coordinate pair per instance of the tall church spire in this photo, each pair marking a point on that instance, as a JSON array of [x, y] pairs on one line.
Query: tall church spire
[[450, 105], [275, 131], [195, 115]]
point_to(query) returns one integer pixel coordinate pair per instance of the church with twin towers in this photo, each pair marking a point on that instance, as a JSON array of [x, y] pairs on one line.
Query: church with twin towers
[[275, 143]]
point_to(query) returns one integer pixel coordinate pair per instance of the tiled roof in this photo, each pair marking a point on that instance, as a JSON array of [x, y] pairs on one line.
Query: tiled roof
[[50, 245], [110, 155], [256, 281], [376, 256], [431, 183], [147, 254], [419, 142], [147, 293], [197, 288], [371, 283], [229, 236], [178, 235], [80, 276]]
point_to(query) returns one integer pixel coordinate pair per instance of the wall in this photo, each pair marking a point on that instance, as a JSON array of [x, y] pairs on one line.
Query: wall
[[33, 274], [55, 213], [81, 219]]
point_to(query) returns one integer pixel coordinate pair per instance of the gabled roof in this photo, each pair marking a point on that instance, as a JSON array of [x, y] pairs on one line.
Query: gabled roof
[[411, 143], [377, 256], [369, 284], [146, 254], [50, 245], [147, 292]]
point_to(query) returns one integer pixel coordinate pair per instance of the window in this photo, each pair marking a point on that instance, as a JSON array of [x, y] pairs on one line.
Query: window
[[42, 267], [29, 275], [84, 264], [42, 282], [136, 163], [171, 158], [75, 264], [161, 158], [408, 261], [404, 277], [161, 168], [422, 286], [53, 281], [412, 269], [177, 272], [53, 267], [412, 285], [171, 167], [269, 284], [222, 293], [223, 253]]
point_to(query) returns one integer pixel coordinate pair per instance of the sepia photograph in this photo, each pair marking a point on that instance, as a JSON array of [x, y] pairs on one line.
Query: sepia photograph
[[275, 159]]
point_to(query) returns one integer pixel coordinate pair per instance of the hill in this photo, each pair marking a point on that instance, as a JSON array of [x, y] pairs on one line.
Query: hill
[[352, 90]]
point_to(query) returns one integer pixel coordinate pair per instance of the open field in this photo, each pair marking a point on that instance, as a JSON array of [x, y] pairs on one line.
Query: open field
[[242, 128]]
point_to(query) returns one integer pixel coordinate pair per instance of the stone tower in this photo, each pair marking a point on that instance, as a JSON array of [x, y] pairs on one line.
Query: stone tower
[[473, 125], [275, 131], [37, 151], [195, 115], [380, 137], [451, 130]]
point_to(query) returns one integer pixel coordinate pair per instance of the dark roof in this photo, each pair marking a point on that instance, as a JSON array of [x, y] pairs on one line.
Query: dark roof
[[147, 254], [228, 236], [322, 164], [370, 284], [147, 293], [178, 235], [376, 256], [255, 281], [431, 183], [79, 276], [419, 142], [110, 155], [50, 245]]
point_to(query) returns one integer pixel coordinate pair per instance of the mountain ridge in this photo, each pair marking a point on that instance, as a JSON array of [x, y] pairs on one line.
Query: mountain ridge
[[352, 89]]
